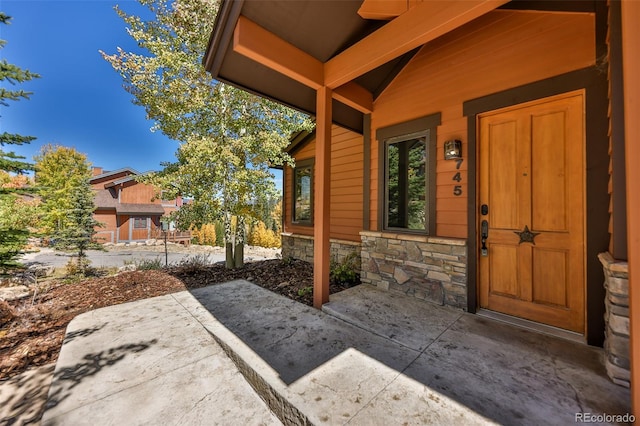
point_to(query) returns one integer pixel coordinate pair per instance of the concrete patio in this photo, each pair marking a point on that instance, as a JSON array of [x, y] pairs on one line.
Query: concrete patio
[[238, 354]]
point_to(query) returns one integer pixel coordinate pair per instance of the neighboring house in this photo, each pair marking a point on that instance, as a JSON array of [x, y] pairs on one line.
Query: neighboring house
[[127, 208], [472, 151]]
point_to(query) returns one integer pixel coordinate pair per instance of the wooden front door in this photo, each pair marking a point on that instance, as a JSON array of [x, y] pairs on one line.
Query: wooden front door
[[532, 183]]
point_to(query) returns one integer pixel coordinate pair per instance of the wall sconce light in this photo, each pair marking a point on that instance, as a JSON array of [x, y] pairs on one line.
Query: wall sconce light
[[453, 149]]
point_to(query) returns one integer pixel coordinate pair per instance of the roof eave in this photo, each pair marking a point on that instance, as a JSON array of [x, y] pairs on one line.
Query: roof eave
[[221, 35], [114, 172]]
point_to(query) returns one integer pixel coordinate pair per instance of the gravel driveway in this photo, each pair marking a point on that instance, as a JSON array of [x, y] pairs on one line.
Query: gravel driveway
[[119, 256]]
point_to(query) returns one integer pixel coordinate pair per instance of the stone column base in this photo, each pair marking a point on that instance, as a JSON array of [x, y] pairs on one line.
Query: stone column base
[[616, 344]]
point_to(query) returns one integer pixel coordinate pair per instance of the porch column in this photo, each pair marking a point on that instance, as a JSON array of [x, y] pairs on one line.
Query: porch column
[[322, 183], [631, 76]]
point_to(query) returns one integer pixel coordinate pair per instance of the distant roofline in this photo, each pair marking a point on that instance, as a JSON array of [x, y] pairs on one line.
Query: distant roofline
[[125, 179], [115, 172]]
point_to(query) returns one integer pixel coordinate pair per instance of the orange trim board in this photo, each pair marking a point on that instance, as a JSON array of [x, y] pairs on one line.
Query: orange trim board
[[419, 25], [321, 208], [631, 71], [266, 48]]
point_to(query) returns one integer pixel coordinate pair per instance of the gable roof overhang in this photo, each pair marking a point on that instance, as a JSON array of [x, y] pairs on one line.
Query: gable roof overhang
[[126, 179], [125, 170], [319, 29], [285, 50], [120, 181]]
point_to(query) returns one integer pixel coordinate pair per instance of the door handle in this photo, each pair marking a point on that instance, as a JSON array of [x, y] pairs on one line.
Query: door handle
[[484, 230]]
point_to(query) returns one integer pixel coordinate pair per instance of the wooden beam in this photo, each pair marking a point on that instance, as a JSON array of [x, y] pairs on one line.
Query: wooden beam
[[383, 9], [322, 197], [419, 25], [355, 96], [631, 76], [266, 48]]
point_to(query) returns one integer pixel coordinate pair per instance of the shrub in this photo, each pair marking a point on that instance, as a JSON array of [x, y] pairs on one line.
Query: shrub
[[149, 264], [345, 272], [305, 291], [263, 237], [78, 267], [194, 263], [206, 235], [199, 260]]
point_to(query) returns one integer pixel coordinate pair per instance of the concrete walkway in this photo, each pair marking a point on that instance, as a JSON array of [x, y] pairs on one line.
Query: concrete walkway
[[22, 397], [397, 361]]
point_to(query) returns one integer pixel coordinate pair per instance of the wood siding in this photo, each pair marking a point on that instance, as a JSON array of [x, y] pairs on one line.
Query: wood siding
[[123, 229], [346, 185], [501, 50], [108, 232], [137, 193]]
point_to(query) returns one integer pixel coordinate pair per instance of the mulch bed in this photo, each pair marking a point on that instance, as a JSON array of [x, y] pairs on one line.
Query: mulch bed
[[32, 329]]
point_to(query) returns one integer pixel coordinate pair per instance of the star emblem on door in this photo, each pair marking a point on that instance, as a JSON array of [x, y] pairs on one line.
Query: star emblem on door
[[526, 236]]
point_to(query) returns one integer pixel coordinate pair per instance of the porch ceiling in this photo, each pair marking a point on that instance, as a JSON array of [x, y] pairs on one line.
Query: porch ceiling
[[322, 29], [331, 32]]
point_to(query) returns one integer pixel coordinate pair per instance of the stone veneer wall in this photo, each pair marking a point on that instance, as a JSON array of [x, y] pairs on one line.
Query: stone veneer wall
[[428, 268], [616, 343], [301, 247]]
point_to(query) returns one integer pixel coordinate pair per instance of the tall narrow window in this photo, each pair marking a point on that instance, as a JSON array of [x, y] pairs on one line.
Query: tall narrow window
[[408, 182], [303, 192], [407, 175]]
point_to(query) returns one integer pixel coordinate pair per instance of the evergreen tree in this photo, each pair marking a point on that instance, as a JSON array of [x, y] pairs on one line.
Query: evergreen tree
[[12, 240], [12, 74], [12, 236], [80, 225]]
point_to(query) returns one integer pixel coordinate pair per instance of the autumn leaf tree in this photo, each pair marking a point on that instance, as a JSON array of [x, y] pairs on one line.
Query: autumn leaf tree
[[229, 137], [19, 217], [59, 171], [13, 229]]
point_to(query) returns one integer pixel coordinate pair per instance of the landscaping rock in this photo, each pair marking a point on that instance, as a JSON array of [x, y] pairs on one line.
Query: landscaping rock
[[42, 271], [14, 293], [127, 268]]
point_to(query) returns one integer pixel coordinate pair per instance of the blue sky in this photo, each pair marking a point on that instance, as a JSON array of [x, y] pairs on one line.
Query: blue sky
[[79, 101]]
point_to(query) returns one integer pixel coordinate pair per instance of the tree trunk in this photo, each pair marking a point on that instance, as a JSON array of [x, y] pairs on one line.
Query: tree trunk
[[239, 243], [81, 261], [228, 242]]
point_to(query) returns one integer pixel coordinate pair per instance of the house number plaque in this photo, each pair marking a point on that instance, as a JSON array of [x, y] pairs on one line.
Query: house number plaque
[[457, 189]]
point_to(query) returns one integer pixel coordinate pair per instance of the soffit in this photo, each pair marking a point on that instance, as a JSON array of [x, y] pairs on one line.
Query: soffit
[[320, 28], [323, 29]]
